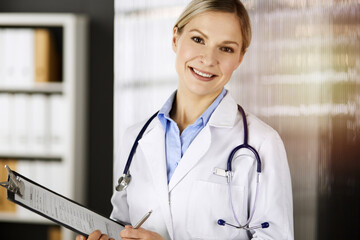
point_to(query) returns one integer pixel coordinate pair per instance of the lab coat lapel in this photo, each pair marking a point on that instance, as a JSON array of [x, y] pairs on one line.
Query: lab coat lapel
[[223, 116], [193, 154], [152, 145]]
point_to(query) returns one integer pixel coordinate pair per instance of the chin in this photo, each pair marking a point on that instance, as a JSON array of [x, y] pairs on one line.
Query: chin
[[202, 91]]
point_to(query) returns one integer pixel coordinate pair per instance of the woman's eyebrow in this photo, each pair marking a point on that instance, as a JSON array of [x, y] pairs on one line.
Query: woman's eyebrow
[[231, 42], [205, 36], [197, 30]]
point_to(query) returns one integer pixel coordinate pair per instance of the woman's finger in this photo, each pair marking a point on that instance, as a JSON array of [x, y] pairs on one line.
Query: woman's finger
[[129, 232], [80, 237], [95, 235], [140, 233], [104, 237]]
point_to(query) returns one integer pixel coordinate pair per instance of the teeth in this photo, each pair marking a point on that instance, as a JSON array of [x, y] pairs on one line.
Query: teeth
[[202, 74]]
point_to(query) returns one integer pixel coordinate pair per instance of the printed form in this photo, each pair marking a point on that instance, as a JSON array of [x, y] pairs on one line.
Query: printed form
[[66, 212]]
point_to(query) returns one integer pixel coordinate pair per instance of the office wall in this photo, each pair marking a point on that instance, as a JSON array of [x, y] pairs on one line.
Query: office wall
[[100, 84], [300, 75]]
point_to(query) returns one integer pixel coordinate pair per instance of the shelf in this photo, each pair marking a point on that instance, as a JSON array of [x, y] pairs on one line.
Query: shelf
[[40, 19], [35, 88], [30, 156], [33, 219], [61, 168]]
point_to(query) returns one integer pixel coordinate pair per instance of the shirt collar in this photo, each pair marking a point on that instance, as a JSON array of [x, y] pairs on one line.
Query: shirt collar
[[164, 113], [207, 114]]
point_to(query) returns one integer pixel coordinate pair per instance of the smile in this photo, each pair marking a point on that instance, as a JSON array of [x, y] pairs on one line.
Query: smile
[[202, 74]]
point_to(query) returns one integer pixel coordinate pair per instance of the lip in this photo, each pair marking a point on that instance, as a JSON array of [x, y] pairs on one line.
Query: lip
[[206, 79]]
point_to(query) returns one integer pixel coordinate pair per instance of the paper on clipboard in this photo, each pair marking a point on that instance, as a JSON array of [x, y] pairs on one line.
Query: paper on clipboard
[[58, 208]]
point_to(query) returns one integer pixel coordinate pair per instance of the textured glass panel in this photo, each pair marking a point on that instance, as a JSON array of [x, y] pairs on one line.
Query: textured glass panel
[[301, 75]]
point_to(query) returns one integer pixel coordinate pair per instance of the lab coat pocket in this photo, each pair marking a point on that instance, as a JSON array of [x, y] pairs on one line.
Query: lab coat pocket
[[209, 202]]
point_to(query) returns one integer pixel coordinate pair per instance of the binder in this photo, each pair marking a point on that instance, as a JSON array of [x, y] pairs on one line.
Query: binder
[[24, 57], [2, 56], [47, 63], [6, 206], [58, 208], [57, 121], [20, 123], [5, 121]]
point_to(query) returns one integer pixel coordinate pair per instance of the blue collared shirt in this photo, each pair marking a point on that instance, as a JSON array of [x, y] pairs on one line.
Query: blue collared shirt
[[176, 144]]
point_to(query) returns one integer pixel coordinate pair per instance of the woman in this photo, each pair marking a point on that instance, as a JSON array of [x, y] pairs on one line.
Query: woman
[[193, 134]]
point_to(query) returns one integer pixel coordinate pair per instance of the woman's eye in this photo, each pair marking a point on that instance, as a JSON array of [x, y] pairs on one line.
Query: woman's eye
[[197, 39], [227, 49]]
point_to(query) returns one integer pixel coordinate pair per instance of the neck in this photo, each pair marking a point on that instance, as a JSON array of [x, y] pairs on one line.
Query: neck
[[189, 107]]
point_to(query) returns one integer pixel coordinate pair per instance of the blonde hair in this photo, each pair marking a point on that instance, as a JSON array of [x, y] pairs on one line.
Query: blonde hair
[[196, 7]]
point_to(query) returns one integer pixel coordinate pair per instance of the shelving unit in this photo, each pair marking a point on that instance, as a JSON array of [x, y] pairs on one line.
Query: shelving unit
[[36, 88], [63, 171]]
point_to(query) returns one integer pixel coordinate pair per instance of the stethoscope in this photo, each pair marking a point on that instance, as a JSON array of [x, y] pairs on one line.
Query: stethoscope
[[125, 179]]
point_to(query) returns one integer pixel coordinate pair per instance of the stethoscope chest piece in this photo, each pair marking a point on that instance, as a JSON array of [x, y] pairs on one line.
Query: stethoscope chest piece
[[123, 182]]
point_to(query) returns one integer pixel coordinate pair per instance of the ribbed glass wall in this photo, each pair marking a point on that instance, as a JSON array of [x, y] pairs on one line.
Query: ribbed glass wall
[[301, 75]]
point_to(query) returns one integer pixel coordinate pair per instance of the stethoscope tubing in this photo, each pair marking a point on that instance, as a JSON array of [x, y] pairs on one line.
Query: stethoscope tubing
[[244, 145], [229, 171], [136, 142]]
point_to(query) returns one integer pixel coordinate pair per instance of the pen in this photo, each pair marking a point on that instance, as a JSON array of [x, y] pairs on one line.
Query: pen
[[144, 218]]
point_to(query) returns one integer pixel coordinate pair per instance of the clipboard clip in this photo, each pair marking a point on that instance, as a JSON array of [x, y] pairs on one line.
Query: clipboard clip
[[14, 183]]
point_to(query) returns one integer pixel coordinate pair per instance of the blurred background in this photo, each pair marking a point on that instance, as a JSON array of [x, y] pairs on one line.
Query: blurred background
[[301, 75]]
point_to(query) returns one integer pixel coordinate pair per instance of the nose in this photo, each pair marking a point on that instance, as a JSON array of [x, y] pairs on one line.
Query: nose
[[209, 57]]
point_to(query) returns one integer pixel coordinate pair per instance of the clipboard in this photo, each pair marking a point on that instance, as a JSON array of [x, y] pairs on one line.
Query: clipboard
[[58, 208]]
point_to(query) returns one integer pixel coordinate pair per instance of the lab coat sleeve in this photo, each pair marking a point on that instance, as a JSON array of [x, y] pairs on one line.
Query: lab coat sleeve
[[275, 203], [119, 199], [120, 207]]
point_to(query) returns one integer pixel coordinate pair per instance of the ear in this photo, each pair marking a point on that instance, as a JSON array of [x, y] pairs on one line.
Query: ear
[[175, 38]]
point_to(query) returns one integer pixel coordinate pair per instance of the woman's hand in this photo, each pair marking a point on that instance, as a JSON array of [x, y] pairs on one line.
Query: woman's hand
[[95, 235], [130, 233]]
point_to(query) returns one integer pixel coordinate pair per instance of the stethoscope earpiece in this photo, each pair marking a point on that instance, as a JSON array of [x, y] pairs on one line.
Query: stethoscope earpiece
[[222, 222], [265, 225]]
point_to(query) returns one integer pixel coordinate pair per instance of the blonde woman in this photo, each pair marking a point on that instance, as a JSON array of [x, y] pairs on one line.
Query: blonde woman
[[180, 168]]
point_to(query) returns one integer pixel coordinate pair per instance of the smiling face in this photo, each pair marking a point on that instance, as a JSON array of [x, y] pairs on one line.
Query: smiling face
[[208, 50]]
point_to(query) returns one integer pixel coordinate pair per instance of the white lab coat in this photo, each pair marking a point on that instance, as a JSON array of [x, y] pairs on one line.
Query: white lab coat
[[195, 198]]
